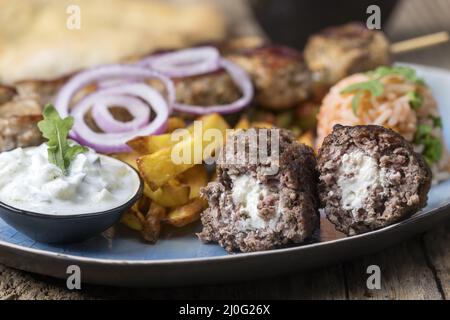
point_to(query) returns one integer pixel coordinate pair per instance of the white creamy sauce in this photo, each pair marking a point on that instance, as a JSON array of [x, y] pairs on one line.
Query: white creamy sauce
[[247, 193], [364, 176], [93, 183]]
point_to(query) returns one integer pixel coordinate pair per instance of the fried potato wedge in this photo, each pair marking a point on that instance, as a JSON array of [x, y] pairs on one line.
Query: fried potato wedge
[[262, 124], [134, 218], [159, 167], [131, 220], [196, 178], [172, 194], [152, 223], [175, 123], [307, 138], [243, 123], [150, 144], [129, 158], [184, 215]]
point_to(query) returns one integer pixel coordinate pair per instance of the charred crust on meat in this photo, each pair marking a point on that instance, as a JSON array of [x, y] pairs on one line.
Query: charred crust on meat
[[337, 52], [397, 179], [280, 75]]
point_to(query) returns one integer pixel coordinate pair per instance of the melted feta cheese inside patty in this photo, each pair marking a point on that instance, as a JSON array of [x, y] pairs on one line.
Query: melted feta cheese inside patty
[[359, 175], [92, 183], [248, 194], [370, 177]]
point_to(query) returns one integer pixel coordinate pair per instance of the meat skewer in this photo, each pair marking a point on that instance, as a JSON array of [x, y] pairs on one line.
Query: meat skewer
[[337, 52]]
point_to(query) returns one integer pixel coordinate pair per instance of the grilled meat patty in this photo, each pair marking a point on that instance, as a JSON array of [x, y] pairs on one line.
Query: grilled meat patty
[[206, 90], [20, 111], [370, 177], [280, 76], [337, 52], [252, 208]]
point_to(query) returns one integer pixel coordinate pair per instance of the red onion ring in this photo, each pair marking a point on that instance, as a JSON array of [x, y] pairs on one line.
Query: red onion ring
[[242, 80], [116, 142], [105, 120], [94, 75], [185, 63]]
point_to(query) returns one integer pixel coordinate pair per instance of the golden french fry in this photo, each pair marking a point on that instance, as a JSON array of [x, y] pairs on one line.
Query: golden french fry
[[152, 223], [175, 123], [243, 123], [131, 220], [158, 168], [261, 124], [213, 176], [196, 178], [129, 158], [172, 194], [150, 144], [307, 138], [184, 215]]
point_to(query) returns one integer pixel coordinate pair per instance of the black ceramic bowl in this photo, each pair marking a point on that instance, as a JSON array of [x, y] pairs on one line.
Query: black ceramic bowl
[[51, 228]]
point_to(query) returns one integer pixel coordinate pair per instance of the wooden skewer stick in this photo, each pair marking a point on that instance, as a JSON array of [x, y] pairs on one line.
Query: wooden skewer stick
[[420, 42]]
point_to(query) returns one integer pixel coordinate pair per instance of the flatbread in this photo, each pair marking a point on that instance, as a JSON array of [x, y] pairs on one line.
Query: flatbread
[[35, 42]]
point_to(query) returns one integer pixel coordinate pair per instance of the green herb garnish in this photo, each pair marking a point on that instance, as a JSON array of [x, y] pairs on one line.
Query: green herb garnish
[[437, 121], [432, 145], [374, 85], [408, 74], [415, 100], [56, 130]]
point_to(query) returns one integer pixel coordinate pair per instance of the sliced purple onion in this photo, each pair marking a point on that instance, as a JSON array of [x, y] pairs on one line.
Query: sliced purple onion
[[116, 71], [185, 63], [241, 79], [116, 142], [105, 120]]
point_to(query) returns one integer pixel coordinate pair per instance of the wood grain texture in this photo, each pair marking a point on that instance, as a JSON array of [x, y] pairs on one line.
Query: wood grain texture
[[437, 245], [405, 274]]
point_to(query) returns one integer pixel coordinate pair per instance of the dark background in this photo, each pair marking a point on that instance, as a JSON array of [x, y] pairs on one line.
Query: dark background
[[291, 21]]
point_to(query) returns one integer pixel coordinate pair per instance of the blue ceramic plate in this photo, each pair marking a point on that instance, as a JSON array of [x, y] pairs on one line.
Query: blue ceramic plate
[[179, 258]]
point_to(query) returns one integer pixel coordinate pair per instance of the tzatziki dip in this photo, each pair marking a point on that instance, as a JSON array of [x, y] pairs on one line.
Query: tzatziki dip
[[92, 183]]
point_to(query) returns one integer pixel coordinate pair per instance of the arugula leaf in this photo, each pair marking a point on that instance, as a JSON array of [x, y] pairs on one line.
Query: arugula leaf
[[56, 130], [415, 100]]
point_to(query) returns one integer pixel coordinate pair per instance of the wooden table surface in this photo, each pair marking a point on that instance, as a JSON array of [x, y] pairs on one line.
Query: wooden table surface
[[415, 269]]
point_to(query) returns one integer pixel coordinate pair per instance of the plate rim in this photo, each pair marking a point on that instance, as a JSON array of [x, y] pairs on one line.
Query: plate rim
[[235, 256]]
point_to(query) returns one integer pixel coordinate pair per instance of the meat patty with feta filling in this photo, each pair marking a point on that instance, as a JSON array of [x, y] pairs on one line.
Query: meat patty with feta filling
[[370, 177], [253, 207]]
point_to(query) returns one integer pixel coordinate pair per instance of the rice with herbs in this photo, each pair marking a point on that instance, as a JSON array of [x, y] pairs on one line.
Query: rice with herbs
[[394, 98]]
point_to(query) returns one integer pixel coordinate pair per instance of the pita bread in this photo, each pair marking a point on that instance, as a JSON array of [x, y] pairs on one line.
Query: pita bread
[[35, 42]]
